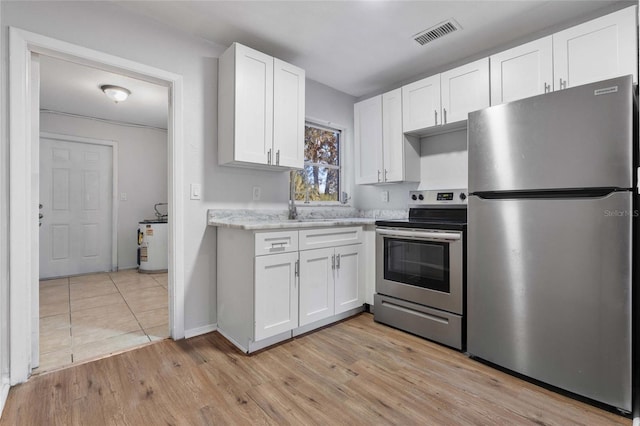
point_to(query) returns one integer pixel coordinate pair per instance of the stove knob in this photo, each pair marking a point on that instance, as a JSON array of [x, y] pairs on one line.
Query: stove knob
[[421, 197], [463, 196], [414, 197]]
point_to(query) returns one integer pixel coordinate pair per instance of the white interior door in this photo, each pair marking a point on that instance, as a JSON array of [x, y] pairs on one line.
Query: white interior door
[[76, 196]]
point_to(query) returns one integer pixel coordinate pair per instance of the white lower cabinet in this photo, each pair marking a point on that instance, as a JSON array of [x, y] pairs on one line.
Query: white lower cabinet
[[349, 278], [300, 280], [276, 294], [316, 285], [331, 282]]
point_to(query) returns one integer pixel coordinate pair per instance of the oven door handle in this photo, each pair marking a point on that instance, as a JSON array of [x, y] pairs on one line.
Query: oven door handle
[[450, 236]]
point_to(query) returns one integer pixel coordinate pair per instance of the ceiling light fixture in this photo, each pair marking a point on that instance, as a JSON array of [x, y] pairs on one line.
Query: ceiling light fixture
[[115, 93]]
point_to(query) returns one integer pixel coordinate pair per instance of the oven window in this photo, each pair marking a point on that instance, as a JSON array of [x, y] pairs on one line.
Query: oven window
[[418, 263]]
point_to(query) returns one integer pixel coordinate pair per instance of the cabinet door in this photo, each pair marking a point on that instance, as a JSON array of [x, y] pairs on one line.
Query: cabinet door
[[392, 137], [523, 71], [349, 278], [288, 115], [254, 105], [368, 140], [421, 104], [316, 285], [603, 48], [465, 89], [276, 294]]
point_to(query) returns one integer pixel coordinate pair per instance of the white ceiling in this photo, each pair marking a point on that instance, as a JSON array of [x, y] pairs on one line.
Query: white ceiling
[[363, 47], [75, 89], [357, 47]]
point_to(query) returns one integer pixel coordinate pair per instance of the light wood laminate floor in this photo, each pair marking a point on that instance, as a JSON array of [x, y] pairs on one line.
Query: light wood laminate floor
[[89, 316], [354, 372]]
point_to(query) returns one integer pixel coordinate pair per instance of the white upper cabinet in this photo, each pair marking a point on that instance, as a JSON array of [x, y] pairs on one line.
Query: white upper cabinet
[[383, 153], [400, 153], [392, 137], [523, 71], [288, 114], [421, 104], [445, 98], [260, 110], [368, 140], [603, 48], [464, 89]]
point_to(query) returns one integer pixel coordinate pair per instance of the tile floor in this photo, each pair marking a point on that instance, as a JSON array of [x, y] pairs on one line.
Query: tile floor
[[89, 316]]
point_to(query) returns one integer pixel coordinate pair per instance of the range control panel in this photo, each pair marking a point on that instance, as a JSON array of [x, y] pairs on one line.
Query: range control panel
[[439, 198]]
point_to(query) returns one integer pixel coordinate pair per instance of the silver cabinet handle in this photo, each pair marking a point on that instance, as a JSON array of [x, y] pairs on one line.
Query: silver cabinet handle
[[378, 175], [445, 115], [547, 87], [278, 245], [277, 157], [333, 262], [338, 261], [269, 156], [563, 83], [385, 175], [297, 268], [435, 116]]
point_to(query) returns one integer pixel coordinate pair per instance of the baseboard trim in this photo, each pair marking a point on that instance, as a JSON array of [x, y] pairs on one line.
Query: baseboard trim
[[193, 332], [4, 394]]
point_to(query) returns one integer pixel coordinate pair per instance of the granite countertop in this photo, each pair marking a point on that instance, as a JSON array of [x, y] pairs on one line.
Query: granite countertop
[[276, 219]]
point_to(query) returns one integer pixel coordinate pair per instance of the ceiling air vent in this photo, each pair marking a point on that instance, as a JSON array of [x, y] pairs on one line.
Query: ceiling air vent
[[437, 31]]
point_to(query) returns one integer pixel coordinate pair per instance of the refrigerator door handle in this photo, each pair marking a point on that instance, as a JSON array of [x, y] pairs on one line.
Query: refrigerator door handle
[[549, 194]]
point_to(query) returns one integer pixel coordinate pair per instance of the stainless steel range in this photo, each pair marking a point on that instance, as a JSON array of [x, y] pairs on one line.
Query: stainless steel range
[[420, 268]]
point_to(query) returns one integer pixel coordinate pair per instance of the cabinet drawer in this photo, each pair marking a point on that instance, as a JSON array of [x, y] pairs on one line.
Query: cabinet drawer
[[276, 242], [329, 237]]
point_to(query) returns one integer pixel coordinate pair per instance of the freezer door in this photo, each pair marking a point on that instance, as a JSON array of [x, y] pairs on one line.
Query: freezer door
[[549, 291], [575, 138]]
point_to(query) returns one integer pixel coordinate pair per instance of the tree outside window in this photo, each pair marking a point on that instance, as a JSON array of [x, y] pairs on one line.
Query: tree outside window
[[320, 178]]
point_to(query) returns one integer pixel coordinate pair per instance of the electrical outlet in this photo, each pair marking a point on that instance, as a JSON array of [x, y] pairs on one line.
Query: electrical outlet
[[123, 196], [257, 192], [384, 196]]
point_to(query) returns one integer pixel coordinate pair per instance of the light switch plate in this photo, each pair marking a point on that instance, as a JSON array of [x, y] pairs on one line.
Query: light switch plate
[[257, 193], [195, 191]]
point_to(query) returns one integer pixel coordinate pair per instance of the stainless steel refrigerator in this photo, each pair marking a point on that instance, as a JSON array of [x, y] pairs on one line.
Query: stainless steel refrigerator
[[551, 209]]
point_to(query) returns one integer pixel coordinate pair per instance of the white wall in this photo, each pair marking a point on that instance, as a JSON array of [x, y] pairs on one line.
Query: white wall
[[443, 161], [108, 28], [142, 171], [335, 107], [4, 293]]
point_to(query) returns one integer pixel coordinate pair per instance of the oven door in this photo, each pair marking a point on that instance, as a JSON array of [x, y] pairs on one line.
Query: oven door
[[421, 266]]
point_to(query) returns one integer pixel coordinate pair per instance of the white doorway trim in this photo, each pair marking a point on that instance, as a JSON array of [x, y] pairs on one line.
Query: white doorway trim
[[23, 213], [114, 183]]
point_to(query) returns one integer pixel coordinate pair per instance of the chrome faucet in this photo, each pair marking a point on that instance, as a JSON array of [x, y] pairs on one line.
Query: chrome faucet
[[293, 212]]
